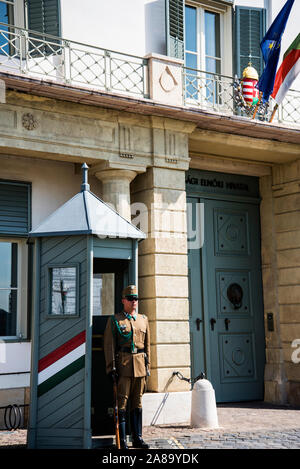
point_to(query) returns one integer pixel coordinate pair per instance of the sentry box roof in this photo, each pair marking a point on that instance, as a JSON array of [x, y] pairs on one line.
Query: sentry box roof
[[85, 213]]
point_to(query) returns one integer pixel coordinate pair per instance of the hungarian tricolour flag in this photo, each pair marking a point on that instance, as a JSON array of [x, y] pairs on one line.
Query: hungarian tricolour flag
[[288, 71], [270, 47]]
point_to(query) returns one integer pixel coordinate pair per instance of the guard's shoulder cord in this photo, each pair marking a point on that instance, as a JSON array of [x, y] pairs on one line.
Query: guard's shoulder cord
[[123, 336]]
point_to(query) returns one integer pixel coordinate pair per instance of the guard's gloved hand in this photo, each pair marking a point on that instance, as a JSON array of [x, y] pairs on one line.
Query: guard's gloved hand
[[113, 375]]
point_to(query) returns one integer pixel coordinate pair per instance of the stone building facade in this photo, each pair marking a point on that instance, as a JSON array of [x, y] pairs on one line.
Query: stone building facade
[[141, 152]]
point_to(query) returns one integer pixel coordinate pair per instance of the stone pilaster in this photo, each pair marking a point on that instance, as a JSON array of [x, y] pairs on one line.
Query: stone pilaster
[[275, 382], [163, 272], [286, 190], [280, 215]]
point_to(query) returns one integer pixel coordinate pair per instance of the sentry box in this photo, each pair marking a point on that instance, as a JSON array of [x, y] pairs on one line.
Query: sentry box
[[85, 253]]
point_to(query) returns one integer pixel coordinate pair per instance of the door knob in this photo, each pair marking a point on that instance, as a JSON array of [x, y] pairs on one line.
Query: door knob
[[227, 321], [198, 321], [212, 323]]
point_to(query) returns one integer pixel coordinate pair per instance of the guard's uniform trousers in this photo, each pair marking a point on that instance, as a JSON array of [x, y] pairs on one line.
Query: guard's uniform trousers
[[126, 342]]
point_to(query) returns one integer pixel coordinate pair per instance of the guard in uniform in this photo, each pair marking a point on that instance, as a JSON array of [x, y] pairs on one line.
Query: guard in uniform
[[127, 350]]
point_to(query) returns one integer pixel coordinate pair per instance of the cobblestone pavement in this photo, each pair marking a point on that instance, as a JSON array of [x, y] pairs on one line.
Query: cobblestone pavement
[[235, 440], [254, 425], [241, 426]]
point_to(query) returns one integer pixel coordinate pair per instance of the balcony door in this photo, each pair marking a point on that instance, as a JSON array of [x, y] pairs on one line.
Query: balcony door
[[203, 57], [202, 39]]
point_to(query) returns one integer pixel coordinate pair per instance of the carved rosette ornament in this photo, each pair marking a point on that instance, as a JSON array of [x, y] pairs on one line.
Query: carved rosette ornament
[[29, 122]]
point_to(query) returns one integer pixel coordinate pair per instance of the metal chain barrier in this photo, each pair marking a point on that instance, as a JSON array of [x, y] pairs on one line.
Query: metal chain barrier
[[166, 393], [192, 381]]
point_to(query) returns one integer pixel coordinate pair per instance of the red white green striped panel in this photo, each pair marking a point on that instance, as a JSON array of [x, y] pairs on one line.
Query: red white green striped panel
[[62, 363]]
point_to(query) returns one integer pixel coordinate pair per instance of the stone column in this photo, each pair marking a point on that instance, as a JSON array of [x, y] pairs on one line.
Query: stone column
[[116, 192], [116, 189]]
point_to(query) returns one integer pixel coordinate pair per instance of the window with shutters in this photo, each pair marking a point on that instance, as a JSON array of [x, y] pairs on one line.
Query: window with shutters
[[250, 27], [14, 294], [8, 288], [44, 16], [14, 228], [175, 28]]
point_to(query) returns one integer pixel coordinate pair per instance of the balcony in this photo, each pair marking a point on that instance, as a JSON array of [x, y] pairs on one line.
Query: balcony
[[56, 60]]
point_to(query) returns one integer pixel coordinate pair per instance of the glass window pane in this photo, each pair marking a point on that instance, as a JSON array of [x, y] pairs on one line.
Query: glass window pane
[[212, 65], [97, 290], [191, 80], [191, 60], [212, 34], [63, 290], [191, 29], [8, 312], [6, 16], [8, 265], [104, 294], [4, 12]]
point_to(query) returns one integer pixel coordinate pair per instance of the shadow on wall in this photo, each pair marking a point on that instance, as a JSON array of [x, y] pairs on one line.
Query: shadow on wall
[[155, 28]]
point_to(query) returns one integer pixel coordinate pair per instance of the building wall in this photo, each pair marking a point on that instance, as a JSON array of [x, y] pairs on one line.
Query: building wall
[[53, 182], [65, 129], [138, 28], [68, 133]]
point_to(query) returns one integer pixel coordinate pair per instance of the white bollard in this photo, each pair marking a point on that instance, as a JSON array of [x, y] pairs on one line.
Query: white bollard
[[204, 408]]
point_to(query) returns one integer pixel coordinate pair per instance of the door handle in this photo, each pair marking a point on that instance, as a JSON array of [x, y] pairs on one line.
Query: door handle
[[212, 323], [198, 321], [227, 321]]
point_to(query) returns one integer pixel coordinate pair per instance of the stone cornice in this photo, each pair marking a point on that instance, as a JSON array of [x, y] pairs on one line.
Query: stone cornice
[[236, 125]]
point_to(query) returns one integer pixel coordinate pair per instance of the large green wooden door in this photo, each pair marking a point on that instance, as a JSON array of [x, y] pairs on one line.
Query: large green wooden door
[[226, 299]]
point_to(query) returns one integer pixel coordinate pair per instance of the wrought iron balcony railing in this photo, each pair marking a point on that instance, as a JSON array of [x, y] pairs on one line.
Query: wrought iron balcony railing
[[53, 58], [34, 54], [220, 93]]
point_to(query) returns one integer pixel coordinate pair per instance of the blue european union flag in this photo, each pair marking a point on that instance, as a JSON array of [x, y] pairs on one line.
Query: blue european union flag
[[270, 47]]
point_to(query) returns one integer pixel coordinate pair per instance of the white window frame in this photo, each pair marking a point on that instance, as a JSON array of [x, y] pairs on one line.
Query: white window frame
[[200, 24], [22, 275], [225, 12], [19, 11]]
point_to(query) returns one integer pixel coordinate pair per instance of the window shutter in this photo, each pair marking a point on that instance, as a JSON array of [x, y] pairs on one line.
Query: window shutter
[[250, 28], [175, 28], [14, 208], [44, 16]]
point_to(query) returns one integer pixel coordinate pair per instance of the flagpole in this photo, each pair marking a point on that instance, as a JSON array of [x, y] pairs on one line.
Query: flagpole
[[257, 105], [274, 112]]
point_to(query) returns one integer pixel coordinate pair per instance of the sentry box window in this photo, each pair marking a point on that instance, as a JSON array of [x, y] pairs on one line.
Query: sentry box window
[[63, 297]]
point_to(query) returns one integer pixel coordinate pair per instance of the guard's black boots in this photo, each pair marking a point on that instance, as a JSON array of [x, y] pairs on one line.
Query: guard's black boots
[[136, 420], [122, 429]]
